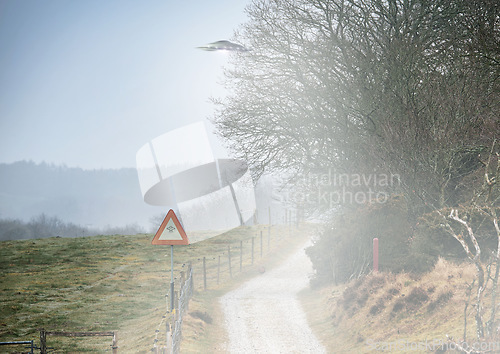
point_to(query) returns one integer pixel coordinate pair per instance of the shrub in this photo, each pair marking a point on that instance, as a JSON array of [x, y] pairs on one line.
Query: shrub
[[431, 241], [349, 297], [398, 306], [416, 298], [412, 302], [378, 307], [391, 293], [344, 249], [441, 300]]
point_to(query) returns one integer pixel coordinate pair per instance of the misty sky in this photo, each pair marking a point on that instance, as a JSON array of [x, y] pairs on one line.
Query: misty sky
[[86, 83]]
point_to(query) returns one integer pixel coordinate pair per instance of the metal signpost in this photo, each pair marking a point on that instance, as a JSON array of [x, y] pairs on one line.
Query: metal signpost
[[171, 233]]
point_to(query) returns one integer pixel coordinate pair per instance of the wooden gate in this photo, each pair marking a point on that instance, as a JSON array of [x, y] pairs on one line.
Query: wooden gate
[[44, 334]]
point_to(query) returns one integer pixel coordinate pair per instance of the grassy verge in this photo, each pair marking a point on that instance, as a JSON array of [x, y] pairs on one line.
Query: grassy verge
[[118, 283], [394, 312]]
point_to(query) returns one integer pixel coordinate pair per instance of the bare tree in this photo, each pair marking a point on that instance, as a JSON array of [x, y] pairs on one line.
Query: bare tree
[[485, 201], [409, 86]]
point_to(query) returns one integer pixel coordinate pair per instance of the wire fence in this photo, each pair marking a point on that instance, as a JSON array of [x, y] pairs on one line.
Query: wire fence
[[212, 270], [182, 306], [172, 320], [226, 259]]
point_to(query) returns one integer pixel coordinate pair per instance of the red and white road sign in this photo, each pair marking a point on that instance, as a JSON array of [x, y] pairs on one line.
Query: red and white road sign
[[170, 232]]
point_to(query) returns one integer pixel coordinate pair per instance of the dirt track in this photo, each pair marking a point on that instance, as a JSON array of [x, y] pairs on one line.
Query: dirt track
[[264, 315]]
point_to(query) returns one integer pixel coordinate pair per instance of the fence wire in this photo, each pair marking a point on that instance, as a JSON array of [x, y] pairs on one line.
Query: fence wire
[[174, 330], [183, 304], [230, 257]]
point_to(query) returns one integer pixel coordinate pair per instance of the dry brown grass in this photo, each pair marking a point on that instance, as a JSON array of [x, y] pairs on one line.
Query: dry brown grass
[[390, 308]]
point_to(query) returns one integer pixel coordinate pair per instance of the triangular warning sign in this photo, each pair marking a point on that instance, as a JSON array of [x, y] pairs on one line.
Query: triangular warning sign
[[170, 232]]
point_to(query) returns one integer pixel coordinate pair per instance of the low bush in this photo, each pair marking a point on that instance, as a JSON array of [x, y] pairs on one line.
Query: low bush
[[441, 300], [344, 249], [430, 240]]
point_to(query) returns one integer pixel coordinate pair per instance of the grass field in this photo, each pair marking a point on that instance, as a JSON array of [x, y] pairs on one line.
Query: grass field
[[118, 283]]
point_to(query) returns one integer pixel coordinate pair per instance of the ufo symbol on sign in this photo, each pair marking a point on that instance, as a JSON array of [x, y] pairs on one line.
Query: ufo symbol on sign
[[224, 45]]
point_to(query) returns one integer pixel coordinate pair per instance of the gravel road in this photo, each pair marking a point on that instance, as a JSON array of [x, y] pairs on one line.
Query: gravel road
[[265, 316]]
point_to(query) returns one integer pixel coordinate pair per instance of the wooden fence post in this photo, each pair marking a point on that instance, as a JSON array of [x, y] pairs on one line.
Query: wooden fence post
[[289, 212], [114, 344], [169, 337], [241, 255], [261, 244], [188, 284], [190, 271], [204, 274], [218, 271], [183, 278], [253, 239], [43, 341], [229, 259], [176, 302]]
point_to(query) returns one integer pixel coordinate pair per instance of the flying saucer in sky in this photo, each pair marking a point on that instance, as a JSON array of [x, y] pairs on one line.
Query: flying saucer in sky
[[224, 45]]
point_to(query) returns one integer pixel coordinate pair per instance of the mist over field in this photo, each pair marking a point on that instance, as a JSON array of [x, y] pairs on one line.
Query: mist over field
[[92, 199], [44, 200]]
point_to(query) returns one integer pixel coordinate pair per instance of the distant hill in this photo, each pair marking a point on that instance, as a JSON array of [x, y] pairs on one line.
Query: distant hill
[[90, 198]]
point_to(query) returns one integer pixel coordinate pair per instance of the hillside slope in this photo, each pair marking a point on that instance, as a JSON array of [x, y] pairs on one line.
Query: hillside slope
[[397, 312], [116, 283]]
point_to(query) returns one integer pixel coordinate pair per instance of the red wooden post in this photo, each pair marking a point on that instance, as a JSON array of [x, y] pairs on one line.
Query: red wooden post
[[375, 254]]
